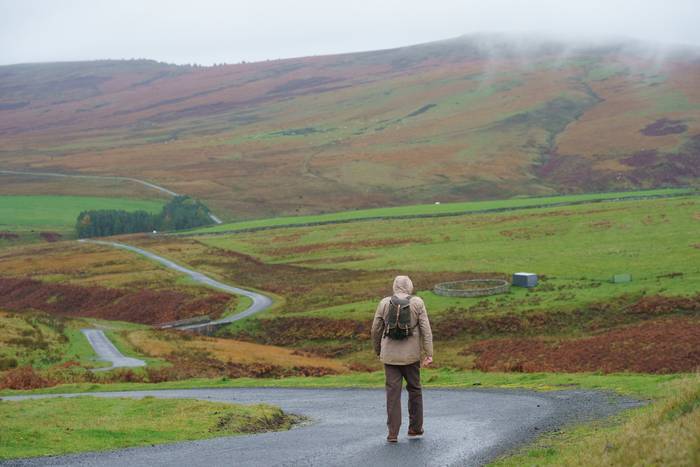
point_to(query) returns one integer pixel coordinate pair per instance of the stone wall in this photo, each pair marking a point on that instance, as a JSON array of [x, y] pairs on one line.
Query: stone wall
[[472, 288]]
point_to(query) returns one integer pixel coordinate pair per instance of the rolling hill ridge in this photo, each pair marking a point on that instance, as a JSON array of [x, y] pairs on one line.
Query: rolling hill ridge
[[476, 117]]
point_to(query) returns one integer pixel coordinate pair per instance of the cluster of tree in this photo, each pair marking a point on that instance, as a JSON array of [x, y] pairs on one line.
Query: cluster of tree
[[182, 212]]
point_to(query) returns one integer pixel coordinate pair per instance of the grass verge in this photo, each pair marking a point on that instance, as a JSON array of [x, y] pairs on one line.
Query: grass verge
[[665, 433], [70, 425], [636, 385]]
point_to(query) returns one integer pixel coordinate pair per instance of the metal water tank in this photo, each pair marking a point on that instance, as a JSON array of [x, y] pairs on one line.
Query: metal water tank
[[524, 279]]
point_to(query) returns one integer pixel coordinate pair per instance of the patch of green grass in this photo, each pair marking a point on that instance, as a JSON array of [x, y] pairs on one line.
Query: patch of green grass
[[79, 349], [242, 304], [28, 215], [436, 209], [637, 385], [121, 342], [68, 425]]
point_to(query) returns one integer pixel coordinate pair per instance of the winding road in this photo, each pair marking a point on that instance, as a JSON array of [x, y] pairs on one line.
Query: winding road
[[463, 427], [106, 351], [103, 177], [260, 302]]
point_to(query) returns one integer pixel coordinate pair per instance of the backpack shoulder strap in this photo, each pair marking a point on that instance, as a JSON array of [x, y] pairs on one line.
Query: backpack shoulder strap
[[417, 320]]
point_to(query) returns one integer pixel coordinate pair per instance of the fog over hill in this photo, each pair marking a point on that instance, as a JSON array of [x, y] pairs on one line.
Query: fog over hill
[[478, 116]]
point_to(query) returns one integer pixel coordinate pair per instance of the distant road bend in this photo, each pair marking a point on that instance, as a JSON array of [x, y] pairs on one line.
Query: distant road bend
[[260, 302], [102, 177], [106, 351]]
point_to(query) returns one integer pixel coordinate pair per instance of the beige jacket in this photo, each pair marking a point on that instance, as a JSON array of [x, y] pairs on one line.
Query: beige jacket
[[405, 351]]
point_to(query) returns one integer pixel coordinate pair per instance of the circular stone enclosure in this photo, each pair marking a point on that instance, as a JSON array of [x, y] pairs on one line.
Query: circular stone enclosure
[[472, 288]]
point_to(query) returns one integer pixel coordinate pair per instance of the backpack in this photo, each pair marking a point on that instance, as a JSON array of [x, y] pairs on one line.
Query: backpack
[[398, 318]]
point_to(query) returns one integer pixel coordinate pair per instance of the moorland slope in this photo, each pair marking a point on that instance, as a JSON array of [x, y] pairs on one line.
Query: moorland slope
[[475, 117]]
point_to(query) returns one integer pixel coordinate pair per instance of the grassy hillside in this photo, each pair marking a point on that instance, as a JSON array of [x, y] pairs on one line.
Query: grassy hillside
[[646, 238], [478, 117], [329, 278], [50, 218]]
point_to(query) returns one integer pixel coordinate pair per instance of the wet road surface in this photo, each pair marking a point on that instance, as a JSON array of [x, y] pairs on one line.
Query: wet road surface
[[463, 427], [106, 351]]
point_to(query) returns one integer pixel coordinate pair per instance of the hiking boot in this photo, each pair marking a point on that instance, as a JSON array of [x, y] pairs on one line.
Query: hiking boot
[[392, 439], [415, 434]]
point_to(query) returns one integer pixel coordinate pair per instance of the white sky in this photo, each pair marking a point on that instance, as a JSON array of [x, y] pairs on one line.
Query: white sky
[[215, 31]]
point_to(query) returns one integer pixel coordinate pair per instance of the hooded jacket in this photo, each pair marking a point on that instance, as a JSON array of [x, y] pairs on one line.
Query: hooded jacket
[[404, 351]]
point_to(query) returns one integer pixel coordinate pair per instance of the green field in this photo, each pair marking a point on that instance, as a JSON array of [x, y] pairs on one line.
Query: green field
[[437, 209], [27, 216], [607, 235], [579, 246], [61, 426]]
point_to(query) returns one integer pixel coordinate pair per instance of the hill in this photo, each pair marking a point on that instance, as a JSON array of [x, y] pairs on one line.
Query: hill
[[476, 117]]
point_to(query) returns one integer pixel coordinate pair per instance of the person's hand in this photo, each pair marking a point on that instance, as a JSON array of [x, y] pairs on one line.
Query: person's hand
[[427, 361]]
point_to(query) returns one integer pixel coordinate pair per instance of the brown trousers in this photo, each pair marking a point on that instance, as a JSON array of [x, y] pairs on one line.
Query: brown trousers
[[395, 374]]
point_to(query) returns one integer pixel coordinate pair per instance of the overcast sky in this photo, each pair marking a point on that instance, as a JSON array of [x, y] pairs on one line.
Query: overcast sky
[[216, 31]]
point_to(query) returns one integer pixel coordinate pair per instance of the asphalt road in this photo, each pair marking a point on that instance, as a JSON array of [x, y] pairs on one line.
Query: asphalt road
[[107, 352], [260, 302], [463, 427], [103, 177]]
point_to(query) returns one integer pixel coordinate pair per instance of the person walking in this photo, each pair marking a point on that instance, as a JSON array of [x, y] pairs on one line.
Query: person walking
[[400, 333]]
